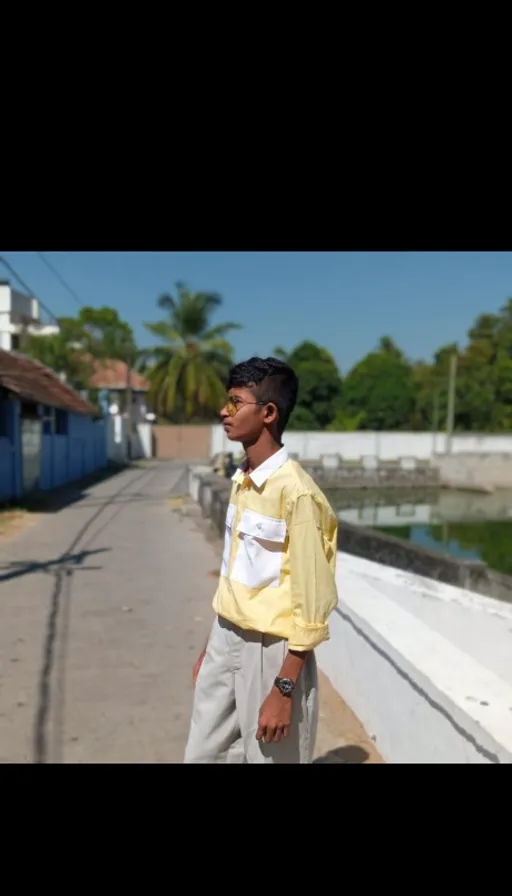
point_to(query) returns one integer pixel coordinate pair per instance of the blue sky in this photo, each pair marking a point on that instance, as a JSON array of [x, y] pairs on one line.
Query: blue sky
[[342, 300]]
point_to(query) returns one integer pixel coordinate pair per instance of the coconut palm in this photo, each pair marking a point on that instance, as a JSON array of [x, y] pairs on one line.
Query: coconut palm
[[188, 376]]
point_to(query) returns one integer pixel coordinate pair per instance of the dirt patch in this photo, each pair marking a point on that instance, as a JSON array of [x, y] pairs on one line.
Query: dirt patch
[[12, 522]]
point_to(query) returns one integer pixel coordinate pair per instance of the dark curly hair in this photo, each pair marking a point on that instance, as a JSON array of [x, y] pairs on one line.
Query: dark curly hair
[[270, 380]]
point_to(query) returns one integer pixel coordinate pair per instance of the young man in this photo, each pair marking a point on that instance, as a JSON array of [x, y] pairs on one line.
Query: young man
[[256, 681]]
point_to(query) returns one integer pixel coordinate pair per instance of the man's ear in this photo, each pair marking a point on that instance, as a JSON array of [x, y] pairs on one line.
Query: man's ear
[[271, 413]]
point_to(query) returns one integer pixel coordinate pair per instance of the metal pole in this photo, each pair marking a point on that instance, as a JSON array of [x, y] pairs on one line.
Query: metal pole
[[435, 419], [451, 403], [129, 408]]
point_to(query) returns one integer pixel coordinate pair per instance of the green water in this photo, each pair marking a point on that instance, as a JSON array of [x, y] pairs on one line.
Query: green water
[[460, 525]]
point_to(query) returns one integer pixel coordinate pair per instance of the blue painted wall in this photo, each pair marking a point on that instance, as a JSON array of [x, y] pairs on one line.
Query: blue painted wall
[[66, 458], [10, 460]]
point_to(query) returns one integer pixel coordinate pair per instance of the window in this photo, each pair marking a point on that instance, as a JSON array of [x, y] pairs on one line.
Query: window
[[61, 422], [48, 421]]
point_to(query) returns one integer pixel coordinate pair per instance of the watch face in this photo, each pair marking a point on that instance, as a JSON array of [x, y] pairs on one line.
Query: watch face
[[285, 686]]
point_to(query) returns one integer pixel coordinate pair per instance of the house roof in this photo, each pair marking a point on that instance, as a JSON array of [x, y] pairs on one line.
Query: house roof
[[33, 381], [112, 374]]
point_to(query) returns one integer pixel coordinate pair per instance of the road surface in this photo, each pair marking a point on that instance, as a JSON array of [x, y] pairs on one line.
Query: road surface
[[104, 606]]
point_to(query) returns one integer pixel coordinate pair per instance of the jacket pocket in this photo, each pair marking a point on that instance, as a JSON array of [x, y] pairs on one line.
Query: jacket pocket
[[228, 535], [259, 553]]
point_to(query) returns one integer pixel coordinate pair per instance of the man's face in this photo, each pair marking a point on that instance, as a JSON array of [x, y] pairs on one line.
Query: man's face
[[244, 417]]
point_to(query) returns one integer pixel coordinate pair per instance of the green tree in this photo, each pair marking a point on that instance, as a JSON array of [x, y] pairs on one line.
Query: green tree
[[189, 373], [484, 381], [61, 352], [320, 385], [106, 336], [344, 422], [97, 334], [483, 396], [381, 387]]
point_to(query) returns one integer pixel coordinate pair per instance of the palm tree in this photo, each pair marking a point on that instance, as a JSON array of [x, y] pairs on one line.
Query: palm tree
[[188, 378]]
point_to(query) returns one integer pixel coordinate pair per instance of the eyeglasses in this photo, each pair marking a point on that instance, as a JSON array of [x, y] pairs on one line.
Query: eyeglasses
[[232, 405]]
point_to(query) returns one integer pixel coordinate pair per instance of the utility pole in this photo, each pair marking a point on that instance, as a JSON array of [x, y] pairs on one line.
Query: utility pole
[[451, 403], [435, 419], [129, 404]]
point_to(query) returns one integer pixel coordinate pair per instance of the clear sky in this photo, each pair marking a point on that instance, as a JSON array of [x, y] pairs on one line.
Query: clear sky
[[345, 301]]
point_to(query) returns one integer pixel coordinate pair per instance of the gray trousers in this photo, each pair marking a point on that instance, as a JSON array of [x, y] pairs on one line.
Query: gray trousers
[[236, 676]]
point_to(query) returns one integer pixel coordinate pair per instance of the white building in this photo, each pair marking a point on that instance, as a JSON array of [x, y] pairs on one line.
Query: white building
[[16, 312]]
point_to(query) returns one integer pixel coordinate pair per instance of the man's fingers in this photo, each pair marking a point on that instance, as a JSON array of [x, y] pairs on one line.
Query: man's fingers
[[270, 734], [278, 735], [286, 730], [260, 732]]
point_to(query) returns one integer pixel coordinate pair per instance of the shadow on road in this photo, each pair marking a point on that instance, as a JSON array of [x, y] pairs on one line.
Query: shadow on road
[[59, 498], [58, 617], [26, 567]]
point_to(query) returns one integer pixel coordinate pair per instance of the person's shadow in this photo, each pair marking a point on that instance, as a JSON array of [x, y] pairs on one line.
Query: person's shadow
[[351, 754]]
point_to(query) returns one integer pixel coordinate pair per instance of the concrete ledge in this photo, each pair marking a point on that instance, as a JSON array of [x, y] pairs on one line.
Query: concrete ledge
[[390, 551], [371, 475], [421, 697]]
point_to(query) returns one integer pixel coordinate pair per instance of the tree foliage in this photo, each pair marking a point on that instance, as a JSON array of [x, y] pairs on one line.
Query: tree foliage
[[189, 373], [381, 387], [386, 391], [95, 334], [320, 385]]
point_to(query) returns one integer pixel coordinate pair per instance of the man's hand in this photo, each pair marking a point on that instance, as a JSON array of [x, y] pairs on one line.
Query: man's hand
[[275, 717], [197, 666]]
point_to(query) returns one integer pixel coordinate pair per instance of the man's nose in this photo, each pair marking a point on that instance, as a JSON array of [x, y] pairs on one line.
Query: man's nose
[[223, 413]]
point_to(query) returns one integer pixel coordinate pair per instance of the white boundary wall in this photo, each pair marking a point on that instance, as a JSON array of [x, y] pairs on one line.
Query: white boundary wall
[[117, 445], [421, 698], [383, 445]]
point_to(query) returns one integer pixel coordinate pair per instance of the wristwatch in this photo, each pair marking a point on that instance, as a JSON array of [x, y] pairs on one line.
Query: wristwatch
[[285, 686]]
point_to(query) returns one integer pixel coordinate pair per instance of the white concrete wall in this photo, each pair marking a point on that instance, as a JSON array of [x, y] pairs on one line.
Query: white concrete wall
[[145, 434], [5, 317], [384, 445], [404, 656], [17, 308], [117, 440], [117, 444], [492, 470]]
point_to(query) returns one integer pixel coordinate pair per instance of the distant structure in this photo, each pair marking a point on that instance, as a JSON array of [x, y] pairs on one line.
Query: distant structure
[[20, 312]]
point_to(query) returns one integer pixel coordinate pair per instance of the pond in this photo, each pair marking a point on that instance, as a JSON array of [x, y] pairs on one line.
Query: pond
[[462, 524]]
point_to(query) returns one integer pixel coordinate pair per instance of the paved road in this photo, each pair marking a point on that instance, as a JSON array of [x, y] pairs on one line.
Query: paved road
[[104, 607]]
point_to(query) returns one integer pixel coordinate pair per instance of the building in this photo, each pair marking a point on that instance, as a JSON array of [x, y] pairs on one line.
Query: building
[[111, 378], [18, 311], [49, 435]]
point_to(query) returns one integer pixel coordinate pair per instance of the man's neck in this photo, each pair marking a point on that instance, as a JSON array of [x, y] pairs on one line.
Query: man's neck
[[260, 451]]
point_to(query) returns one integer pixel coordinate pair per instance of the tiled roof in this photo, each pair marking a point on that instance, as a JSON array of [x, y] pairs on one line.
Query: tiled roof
[[112, 375], [33, 381]]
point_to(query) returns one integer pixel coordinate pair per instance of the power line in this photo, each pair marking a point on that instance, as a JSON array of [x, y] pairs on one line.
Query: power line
[[27, 288], [60, 278]]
